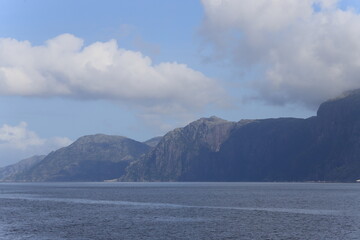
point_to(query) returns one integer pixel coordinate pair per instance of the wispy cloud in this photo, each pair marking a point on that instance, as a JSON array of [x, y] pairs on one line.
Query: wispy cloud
[[302, 51], [18, 142]]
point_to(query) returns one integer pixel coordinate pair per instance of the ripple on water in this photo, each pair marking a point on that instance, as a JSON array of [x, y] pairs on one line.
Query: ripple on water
[[186, 211]]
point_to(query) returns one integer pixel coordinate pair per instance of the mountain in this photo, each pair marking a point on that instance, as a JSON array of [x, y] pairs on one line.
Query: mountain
[[325, 147], [90, 158], [336, 149], [266, 150], [182, 153], [153, 141], [10, 172]]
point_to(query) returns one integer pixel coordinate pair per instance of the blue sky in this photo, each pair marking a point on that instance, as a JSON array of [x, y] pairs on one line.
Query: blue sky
[[140, 68]]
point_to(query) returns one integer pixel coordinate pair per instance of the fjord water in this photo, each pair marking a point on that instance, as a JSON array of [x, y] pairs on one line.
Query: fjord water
[[179, 211]]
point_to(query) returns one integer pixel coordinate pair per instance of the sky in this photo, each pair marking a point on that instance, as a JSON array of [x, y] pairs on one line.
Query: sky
[[140, 68]]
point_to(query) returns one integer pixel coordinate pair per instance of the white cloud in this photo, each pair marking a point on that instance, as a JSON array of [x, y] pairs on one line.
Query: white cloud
[[307, 51], [18, 137], [64, 67], [18, 142]]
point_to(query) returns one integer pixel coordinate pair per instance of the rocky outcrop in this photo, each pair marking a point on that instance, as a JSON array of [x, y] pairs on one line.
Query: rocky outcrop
[[182, 153]]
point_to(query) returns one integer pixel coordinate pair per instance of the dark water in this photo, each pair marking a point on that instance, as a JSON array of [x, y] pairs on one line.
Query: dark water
[[179, 211]]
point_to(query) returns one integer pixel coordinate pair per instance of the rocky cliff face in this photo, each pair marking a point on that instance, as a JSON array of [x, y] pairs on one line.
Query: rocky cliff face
[[322, 148], [90, 158], [173, 159], [336, 149], [265, 150]]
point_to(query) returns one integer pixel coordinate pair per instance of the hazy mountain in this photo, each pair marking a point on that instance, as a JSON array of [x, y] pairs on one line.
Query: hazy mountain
[[90, 158], [153, 141], [11, 172], [321, 148]]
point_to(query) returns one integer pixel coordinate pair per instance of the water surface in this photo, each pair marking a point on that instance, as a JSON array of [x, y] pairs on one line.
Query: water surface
[[179, 211]]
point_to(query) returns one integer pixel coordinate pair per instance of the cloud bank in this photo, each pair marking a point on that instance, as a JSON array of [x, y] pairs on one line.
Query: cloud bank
[[302, 51], [18, 142], [64, 67]]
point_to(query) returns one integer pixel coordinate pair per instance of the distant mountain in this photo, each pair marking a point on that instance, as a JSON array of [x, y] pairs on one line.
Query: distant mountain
[[90, 158], [153, 141], [321, 148], [11, 172]]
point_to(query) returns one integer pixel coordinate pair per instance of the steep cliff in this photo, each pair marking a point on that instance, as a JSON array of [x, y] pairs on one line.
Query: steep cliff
[[183, 153], [321, 148]]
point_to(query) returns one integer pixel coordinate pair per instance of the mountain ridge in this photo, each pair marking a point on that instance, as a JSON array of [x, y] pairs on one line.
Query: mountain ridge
[[325, 147]]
